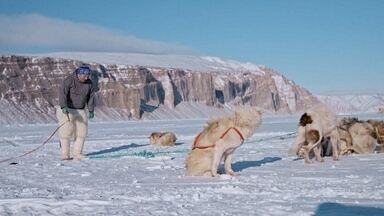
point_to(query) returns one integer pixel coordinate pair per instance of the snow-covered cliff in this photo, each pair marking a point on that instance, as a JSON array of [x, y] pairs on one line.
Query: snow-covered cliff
[[29, 89]]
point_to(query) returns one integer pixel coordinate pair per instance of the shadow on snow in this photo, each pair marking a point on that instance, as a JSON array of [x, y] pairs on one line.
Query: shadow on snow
[[239, 166], [335, 209], [115, 149]]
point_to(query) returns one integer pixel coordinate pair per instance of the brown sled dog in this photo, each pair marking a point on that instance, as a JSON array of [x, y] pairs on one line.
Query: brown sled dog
[[219, 140]]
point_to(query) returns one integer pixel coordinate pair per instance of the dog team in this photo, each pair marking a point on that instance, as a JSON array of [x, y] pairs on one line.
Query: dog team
[[319, 134], [320, 131]]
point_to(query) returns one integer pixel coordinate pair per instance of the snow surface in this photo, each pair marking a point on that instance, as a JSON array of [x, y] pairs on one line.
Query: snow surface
[[117, 178]]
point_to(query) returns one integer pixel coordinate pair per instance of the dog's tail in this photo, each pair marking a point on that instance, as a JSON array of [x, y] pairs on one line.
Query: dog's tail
[[313, 136]]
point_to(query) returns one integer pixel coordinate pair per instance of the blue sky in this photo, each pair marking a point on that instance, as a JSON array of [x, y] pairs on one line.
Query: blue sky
[[325, 46]]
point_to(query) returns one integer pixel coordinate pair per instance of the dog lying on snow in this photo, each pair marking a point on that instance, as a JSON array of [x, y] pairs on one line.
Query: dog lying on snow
[[219, 140], [316, 126], [162, 139], [345, 141], [378, 127], [356, 136]]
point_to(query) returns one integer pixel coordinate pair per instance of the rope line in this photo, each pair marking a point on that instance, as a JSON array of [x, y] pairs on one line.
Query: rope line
[[144, 153], [38, 147], [284, 136], [152, 154]]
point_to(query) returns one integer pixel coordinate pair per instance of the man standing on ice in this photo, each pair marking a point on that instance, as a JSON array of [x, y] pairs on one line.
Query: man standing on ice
[[76, 92]]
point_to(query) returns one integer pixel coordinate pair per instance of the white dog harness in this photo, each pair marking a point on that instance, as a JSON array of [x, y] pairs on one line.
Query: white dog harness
[[225, 133]]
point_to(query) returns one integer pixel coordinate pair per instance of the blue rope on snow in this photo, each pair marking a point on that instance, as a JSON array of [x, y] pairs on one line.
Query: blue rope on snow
[[146, 154]]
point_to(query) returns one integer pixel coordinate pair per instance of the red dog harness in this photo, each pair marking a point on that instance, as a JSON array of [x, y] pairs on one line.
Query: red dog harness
[[225, 133]]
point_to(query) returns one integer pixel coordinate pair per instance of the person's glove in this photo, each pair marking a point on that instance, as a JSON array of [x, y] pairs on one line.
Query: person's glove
[[65, 110], [91, 114]]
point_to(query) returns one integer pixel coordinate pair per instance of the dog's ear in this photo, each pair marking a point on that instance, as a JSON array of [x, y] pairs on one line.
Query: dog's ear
[[240, 114]]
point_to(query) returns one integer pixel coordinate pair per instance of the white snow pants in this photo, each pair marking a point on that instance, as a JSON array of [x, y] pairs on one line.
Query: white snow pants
[[76, 128]]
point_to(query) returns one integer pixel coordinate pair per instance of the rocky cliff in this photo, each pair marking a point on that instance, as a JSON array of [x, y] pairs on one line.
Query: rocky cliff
[[29, 89]]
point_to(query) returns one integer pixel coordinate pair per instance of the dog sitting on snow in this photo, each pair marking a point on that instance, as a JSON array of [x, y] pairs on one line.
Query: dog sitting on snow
[[162, 139], [316, 126], [219, 140]]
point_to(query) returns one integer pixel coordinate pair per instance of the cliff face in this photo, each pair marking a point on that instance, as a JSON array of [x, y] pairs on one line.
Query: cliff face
[[29, 89]]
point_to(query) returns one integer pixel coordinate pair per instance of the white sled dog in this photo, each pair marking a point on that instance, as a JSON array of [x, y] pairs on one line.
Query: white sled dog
[[219, 140], [315, 126], [162, 139]]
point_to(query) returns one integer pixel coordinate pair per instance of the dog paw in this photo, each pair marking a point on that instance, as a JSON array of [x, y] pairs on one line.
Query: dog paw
[[215, 174], [308, 161], [321, 160]]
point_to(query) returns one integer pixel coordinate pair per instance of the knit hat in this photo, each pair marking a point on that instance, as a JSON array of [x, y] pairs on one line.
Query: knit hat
[[84, 69]]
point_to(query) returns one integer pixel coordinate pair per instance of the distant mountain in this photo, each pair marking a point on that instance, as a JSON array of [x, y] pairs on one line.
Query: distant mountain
[[357, 103], [185, 62], [138, 86]]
